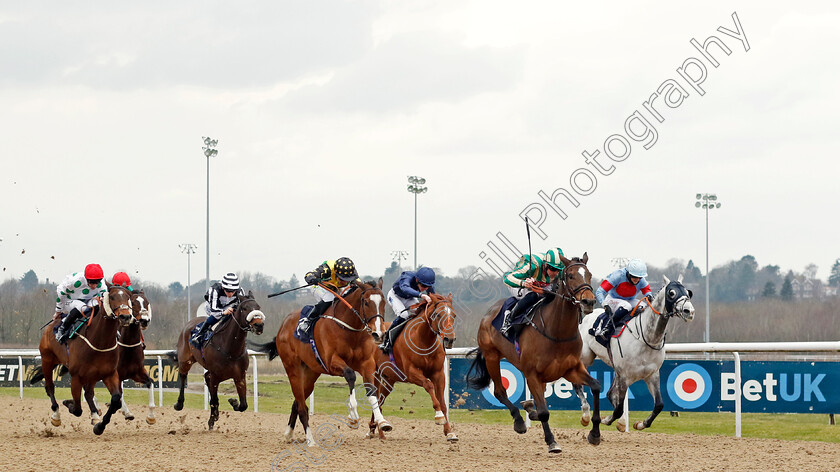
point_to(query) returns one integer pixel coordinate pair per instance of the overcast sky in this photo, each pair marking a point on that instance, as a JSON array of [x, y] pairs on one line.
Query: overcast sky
[[323, 108]]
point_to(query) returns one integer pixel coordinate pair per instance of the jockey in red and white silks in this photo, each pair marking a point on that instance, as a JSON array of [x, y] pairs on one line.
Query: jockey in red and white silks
[[619, 289]]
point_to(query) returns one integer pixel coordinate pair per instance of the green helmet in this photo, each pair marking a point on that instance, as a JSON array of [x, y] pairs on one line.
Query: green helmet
[[552, 258]]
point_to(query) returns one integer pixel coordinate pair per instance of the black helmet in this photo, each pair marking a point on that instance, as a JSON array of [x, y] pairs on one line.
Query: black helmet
[[345, 269]]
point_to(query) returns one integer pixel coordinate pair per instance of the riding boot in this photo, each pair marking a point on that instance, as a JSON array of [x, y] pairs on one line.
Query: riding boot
[[208, 323], [620, 312], [394, 330], [522, 305], [66, 325], [306, 323]]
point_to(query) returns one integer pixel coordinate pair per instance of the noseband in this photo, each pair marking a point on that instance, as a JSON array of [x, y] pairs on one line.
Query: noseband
[[569, 294]]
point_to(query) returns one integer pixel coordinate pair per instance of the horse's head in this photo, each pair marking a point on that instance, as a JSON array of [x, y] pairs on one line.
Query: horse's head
[[373, 308], [676, 298], [117, 304], [575, 282], [441, 317], [141, 309], [248, 313]]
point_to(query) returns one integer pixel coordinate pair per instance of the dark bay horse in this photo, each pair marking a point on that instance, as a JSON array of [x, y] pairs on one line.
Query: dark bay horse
[[132, 348], [640, 353], [90, 356], [344, 341], [549, 349], [224, 356], [419, 359]]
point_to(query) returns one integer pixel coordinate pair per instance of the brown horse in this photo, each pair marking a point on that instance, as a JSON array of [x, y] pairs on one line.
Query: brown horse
[[90, 356], [550, 349], [224, 356], [419, 359], [344, 341]]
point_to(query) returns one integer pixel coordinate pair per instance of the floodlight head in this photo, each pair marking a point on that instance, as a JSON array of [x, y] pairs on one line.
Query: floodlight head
[[699, 196], [697, 204], [713, 197], [717, 205]]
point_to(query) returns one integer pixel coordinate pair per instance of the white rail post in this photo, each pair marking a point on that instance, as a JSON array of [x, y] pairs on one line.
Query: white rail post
[[206, 393], [446, 383], [160, 381], [737, 394], [20, 374], [626, 415], [256, 388], [527, 416], [312, 401]]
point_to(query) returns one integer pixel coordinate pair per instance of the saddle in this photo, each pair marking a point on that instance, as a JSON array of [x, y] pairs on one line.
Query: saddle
[[77, 325], [207, 334], [612, 331], [523, 319], [303, 336]]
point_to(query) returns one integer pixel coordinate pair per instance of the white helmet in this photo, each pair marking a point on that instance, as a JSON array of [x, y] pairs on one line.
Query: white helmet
[[637, 268], [230, 282]]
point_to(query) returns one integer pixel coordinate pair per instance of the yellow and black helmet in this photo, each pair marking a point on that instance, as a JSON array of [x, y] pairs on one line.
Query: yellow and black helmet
[[345, 269]]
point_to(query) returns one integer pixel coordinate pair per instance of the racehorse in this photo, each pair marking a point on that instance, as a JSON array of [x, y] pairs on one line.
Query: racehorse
[[90, 356], [343, 339], [418, 356], [224, 356], [549, 349], [637, 353]]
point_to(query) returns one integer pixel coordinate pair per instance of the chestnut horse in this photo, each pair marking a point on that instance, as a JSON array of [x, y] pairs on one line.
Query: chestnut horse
[[344, 341], [549, 349], [132, 352], [90, 356], [224, 356], [418, 358]]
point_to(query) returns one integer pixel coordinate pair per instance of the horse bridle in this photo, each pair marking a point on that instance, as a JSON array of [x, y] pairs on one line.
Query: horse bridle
[[567, 294], [238, 310], [667, 313], [361, 317], [430, 319]]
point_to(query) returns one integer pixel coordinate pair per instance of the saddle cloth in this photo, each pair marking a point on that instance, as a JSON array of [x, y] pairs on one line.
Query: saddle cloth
[[207, 334], [306, 336], [523, 318], [612, 331]]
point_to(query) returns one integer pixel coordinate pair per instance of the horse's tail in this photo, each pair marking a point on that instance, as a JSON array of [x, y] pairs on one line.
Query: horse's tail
[[36, 375], [269, 348], [173, 355], [478, 377]]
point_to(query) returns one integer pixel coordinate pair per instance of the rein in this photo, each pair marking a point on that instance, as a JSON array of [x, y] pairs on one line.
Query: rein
[[343, 324], [567, 295], [233, 318]]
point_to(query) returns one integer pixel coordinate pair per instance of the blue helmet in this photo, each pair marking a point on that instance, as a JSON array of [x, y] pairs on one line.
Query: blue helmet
[[637, 268], [426, 276]]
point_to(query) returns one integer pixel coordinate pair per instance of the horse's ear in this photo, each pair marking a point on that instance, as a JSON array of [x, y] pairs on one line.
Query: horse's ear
[[667, 280], [380, 282], [108, 285], [679, 279], [690, 294], [585, 258], [564, 260], [250, 294]]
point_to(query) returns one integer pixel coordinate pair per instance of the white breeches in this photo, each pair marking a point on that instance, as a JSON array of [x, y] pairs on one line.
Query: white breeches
[[400, 305]]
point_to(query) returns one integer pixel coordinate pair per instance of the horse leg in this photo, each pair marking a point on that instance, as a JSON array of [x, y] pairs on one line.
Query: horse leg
[[183, 370], [616, 394], [242, 391], [492, 359], [653, 387], [150, 418], [90, 397], [74, 406], [439, 381], [538, 411], [352, 404], [584, 405], [383, 389], [578, 375], [213, 387], [114, 386], [49, 386], [367, 369], [307, 384]]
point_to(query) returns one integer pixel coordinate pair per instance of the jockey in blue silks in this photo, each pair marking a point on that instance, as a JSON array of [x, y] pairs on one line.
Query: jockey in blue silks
[[406, 293], [618, 290]]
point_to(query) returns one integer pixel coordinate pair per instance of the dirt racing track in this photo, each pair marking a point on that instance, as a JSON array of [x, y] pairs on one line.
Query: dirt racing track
[[254, 441]]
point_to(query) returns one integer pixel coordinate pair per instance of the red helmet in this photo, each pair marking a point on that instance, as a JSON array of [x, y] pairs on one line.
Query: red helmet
[[121, 278], [94, 272]]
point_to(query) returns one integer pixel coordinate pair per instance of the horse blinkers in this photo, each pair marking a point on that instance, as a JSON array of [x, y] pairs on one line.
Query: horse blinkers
[[676, 299]]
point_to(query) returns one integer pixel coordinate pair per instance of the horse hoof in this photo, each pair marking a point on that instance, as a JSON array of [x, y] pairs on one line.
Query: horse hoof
[[353, 424], [639, 425], [129, 418], [385, 426], [55, 422], [98, 429], [594, 440], [528, 405], [554, 448], [151, 420], [621, 426], [440, 420], [178, 406], [451, 437], [234, 403], [519, 426], [584, 421]]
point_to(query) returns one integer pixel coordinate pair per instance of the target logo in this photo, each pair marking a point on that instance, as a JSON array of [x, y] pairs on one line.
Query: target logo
[[689, 386], [513, 382]]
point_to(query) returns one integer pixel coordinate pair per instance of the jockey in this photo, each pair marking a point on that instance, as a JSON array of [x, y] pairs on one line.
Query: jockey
[[406, 293], [77, 295], [335, 275], [123, 280], [527, 280], [221, 301], [618, 290]]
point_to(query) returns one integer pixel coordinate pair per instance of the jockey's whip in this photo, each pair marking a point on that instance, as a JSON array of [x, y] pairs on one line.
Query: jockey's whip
[[289, 290], [528, 230], [45, 324]]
